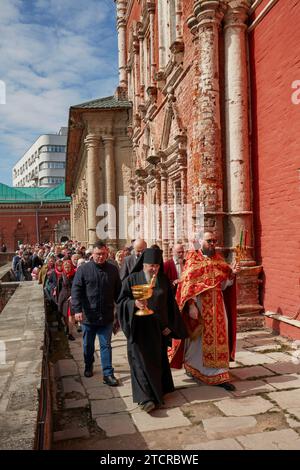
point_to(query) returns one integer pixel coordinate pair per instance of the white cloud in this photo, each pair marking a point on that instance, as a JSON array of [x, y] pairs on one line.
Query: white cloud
[[9, 11], [54, 54]]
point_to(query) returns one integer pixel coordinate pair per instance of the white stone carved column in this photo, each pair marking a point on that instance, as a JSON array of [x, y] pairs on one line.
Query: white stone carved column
[[164, 212], [72, 216], [151, 10], [178, 6], [121, 27], [142, 75], [92, 143], [110, 180], [238, 161], [206, 24], [237, 129]]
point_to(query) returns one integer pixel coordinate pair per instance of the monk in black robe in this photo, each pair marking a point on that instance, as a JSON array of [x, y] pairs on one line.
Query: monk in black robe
[[148, 336]]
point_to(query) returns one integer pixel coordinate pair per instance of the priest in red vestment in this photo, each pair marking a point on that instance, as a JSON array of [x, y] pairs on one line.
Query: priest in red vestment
[[206, 297]]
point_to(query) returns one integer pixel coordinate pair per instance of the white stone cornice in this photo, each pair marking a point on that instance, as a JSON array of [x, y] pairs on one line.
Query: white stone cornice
[[209, 12], [151, 6], [107, 138], [92, 141], [236, 14]]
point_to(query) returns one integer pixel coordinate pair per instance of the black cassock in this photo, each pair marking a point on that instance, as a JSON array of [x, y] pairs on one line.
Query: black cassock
[[146, 346]]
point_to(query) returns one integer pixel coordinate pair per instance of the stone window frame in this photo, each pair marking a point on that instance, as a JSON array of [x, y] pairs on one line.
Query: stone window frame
[[166, 31]]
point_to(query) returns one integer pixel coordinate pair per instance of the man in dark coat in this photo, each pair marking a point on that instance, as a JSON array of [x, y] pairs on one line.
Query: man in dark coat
[[95, 288], [130, 261], [148, 336]]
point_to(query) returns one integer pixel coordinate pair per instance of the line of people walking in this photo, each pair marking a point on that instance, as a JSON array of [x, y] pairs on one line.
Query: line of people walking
[[192, 324], [193, 304]]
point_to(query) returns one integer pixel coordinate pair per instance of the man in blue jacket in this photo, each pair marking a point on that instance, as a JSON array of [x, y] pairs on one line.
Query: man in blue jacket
[[95, 289]]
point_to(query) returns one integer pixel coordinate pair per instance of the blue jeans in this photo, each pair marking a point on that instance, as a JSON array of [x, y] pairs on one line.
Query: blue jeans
[[104, 334]]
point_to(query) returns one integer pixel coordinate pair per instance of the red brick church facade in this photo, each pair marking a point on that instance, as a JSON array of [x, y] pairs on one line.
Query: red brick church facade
[[214, 86]]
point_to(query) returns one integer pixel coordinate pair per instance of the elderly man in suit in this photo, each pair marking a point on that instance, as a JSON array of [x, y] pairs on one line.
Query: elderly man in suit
[[130, 261], [173, 267]]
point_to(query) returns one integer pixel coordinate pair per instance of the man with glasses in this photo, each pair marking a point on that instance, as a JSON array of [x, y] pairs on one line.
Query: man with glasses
[[209, 315], [96, 287]]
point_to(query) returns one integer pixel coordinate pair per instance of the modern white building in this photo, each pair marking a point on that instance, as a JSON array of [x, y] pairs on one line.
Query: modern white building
[[44, 163]]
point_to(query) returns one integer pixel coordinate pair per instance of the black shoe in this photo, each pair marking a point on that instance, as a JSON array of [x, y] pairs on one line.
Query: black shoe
[[228, 386], [110, 380], [147, 406], [88, 372], [71, 338]]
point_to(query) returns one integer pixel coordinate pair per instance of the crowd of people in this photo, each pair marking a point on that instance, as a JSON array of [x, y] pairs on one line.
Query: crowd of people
[[188, 320]]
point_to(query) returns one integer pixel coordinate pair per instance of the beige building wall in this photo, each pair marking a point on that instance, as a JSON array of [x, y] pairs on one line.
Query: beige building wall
[[99, 161]]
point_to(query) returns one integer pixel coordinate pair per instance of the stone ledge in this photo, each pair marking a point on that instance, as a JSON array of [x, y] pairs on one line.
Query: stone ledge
[[22, 325], [289, 321]]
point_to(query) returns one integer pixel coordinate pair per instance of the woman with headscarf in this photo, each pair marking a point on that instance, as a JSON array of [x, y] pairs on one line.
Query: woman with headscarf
[[64, 297], [48, 270], [148, 335]]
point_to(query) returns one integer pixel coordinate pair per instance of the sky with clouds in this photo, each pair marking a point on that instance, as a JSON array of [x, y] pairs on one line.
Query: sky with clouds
[[53, 54]]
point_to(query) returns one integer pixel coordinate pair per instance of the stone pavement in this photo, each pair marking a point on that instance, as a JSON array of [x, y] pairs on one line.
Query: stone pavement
[[262, 414]]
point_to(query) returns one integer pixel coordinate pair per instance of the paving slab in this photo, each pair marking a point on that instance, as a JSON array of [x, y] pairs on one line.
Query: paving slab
[[258, 341], [3, 404], [293, 423], [105, 407], [280, 356], [4, 379], [124, 390], [284, 439], [116, 425], [271, 347], [77, 355], [219, 444], [244, 373], [174, 399], [284, 368], [234, 365], [204, 393], [286, 399], [66, 367], [295, 412], [181, 380], [284, 382], [73, 433], [71, 404], [248, 358], [160, 419], [266, 333], [71, 385], [91, 382], [244, 406], [222, 427], [251, 387], [131, 407], [100, 393]]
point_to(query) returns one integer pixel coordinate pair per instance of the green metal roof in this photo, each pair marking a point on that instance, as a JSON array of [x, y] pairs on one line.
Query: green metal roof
[[18, 194], [109, 102]]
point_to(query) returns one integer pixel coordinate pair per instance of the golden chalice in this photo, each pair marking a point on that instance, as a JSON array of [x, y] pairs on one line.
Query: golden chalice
[[143, 292]]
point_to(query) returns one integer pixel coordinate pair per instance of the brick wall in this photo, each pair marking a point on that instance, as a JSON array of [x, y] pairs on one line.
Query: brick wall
[[11, 230], [274, 55]]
